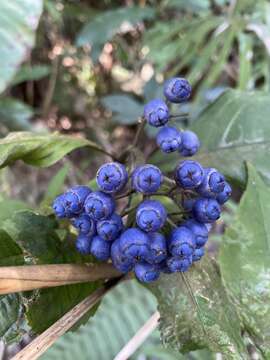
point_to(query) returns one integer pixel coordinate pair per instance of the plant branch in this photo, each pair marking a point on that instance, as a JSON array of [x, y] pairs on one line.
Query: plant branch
[[30, 277], [139, 338], [40, 344], [140, 128]]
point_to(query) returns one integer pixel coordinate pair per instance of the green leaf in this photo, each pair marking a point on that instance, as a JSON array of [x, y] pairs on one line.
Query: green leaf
[[121, 313], [192, 5], [108, 23], [233, 129], [18, 22], [56, 184], [39, 150], [245, 80], [244, 261], [212, 324], [9, 206], [30, 73], [125, 109], [10, 253], [15, 115]]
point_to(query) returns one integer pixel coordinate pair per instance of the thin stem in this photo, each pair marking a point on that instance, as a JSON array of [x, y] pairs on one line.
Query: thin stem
[[101, 149], [128, 211], [183, 115], [171, 222], [169, 181], [128, 193], [139, 131]]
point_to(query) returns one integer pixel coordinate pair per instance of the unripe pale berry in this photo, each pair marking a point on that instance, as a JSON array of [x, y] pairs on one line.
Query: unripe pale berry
[[213, 183], [100, 248], [156, 113], [151, 215], [134, 244], [189, 174], [99, 205], [112, 177], [83, 244], [190, 143], [146, 272], [177, 90], [181, 241], [206, 210], [110, 229], [169, 139], [146, 179]]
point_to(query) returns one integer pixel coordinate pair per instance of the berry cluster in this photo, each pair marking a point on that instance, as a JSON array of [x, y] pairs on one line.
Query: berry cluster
[[145, 248]]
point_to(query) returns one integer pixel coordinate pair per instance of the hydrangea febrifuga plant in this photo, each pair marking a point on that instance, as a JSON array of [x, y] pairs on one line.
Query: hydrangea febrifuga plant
[[133, 237]]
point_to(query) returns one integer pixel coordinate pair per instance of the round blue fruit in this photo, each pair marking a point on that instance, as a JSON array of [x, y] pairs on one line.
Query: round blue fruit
[[177, 90], [213, 183], [100, 248], [83, 244], [146, 179], [99, 205], [169, 139], [121, 262], [112, 177], [85, 225], [190, 143], [199, 230], [189, 174], [224, 195], [206, 210], [181, 241], [158, 248], [110, 229], [198, 254], [179, 264], [156, 113], [151, 215], [134, 244], [146, 272]]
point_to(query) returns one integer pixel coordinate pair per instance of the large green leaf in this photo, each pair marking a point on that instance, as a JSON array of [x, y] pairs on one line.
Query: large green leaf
[[14, 114], [30, 73], [212, 324], [18, 22], [39, 150], [233, 129], [121, 313], [245, 260]]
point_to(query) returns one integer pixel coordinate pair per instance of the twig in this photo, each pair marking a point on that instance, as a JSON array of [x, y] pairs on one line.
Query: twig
[[183, 115], [171, 222], [30, 277], [126, 194], [40, 344], [51, 87], [139, 338], [139, 131]]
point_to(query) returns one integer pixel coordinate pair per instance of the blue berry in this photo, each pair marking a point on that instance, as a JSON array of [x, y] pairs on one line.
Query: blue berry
[[224, 196], [199, 230], [71, 203], [110, 229], [156, 113], [190, 143], [99, 205], [189, 174], [146, 179], [158, 248], [85, 225], [198, 254], [112, 177], [120, 261], [134, 244], [151, 215], [188, 204], [169, 139], [100, 248], [179, 264], [206, 210], [83, 244], [146, 272], [177, 90], [212, 184], [181, 241]]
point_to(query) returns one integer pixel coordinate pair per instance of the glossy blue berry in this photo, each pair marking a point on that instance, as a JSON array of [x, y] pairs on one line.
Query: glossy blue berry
[[134, 244], [199, 230], [110, 229], [112, 177], [83, 244], [189, 174], [179, 264], [146, 272], [151, 215], [71, 203], [198, 254], [224, 196], [147, 179], [190, 143], [177, 90], [206, 210], [188, 204], [100, 248], [99, 205], [121, 262], [212, 184], [158, 248], [169, 139], [85, 225], [156, 113], [181, 241]]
